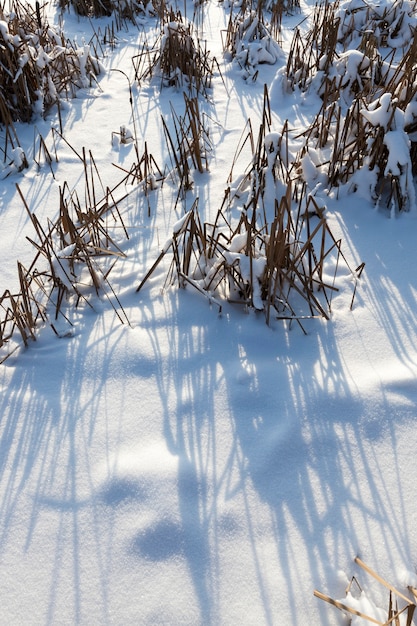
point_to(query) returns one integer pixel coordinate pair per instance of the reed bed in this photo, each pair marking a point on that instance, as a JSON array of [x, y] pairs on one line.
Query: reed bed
[[268, 247]]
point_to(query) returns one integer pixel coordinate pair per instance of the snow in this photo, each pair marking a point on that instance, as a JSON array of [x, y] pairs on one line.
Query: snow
[[186, 467]]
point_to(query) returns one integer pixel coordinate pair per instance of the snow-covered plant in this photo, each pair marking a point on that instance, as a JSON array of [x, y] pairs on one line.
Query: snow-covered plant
[[349, 76], [122, 9], [391, 22], [389, 153], [343, 51], [178, 50], [363, 135], [286, 267], [178, 59], [368, 148], [313, 52], [250, 43], [38, 66], [74, 256], [272, 253], [269, 173], [188, 146]]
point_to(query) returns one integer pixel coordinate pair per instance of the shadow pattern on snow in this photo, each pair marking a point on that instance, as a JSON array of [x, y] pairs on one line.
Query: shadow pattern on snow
[[273, 472], [290, 435]]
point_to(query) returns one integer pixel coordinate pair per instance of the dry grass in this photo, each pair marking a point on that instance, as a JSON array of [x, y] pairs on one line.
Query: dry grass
[[38, 65], [188, 145], [278, 255], [74, 256], [393, 610], [348, 133], [281, 268], [179, 58], [250, 40], [281, 259], [120, 10], [315, 49]]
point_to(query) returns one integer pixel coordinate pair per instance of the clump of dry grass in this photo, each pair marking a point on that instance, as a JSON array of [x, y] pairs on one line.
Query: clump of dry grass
[[384, 22], [146, 172], [348, 141], [38, 65], [74, 257], [248, 40], [78, 246], [367, 96], [315, 50], [19, 313], [121, 10], [179, 58], [281, 268], [268, 247], [377, 34], [89, 8], [188, 144], [269, 12]]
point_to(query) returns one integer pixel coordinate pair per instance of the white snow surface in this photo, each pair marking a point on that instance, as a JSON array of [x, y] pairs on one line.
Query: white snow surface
[[187, 468]]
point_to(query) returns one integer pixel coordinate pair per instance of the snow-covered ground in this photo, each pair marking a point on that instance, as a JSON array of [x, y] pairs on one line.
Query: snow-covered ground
[[184, 467]]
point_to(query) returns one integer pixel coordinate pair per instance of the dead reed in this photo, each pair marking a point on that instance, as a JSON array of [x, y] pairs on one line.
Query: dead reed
[[394, 612], [367, 94], [74, 256], [188, 144], [278, 255], [146, 173], [121, 11], [249, 42], [179, 58], [281, 268], [37, 64], [314, 52], [19, 315]]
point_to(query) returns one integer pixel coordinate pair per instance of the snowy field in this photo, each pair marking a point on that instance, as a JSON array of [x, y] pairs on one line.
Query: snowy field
[[161, 464]]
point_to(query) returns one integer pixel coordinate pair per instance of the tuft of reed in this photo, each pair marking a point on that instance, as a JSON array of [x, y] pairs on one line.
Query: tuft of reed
[[188, 144], [146, 173], [281, 273], [74, 256], [179, 58], [361, 108], [124, 11], [314, 50], [245, 29], [37, 64]]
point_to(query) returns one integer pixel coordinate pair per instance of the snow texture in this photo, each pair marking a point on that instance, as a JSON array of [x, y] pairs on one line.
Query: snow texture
[[187, 468]]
